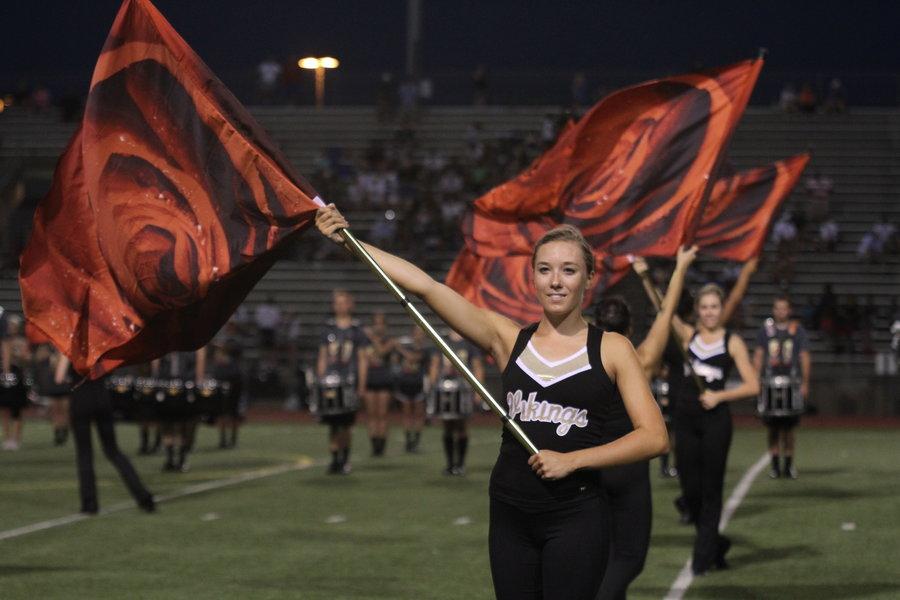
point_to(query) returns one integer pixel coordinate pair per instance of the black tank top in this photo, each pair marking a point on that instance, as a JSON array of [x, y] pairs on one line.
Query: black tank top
[[561, 406], [712, 363]]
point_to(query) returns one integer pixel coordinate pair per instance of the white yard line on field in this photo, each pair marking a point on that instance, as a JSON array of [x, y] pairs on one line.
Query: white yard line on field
[[686, 576]]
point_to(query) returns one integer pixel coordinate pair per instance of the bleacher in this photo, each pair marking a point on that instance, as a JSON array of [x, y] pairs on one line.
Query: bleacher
[[860, 151]]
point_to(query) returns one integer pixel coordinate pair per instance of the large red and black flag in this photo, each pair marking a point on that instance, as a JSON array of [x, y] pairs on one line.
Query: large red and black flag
[[741, 207], [633, 174], [164, 207]]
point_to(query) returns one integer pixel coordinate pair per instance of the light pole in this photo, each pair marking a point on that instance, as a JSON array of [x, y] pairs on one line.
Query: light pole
[[319, 65]]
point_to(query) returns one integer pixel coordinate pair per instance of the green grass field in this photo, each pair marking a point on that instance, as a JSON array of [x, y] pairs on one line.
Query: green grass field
[[397, 528]]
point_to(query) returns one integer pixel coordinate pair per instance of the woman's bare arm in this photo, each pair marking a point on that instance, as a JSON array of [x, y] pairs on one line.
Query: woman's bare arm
[[739, 289], [490, 331], [650, 351]]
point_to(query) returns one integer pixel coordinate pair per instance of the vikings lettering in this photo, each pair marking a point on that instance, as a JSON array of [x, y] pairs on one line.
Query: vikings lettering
[[707, 372], [546, 412]]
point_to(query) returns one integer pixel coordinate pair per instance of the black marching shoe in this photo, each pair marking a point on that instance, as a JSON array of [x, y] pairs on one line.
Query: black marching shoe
[[147, 504]]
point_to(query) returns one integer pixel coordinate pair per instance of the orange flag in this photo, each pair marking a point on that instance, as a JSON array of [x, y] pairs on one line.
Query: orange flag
[[633, 174], [164, 208], [741, 208]]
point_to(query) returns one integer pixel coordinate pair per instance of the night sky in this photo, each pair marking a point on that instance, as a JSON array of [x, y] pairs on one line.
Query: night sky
[[57, 41]]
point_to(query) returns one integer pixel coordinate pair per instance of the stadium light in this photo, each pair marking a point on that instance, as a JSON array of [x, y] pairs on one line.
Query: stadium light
[[319, 64]]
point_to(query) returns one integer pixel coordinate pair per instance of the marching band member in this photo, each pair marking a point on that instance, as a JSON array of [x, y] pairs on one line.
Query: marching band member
[[782, 349], [442, 372], [703, 421], [560, 377], [412, 368], [628, 486], [379, 381], [15, 357], [341, 354], [90, 403]]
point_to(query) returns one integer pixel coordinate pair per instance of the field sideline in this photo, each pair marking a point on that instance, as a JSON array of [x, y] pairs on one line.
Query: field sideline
[[397, 528]]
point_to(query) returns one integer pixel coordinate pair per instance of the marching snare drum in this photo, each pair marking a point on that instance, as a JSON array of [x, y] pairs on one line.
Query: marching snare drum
[[450, 400], [335, 395], [780, 397], [121, 393]]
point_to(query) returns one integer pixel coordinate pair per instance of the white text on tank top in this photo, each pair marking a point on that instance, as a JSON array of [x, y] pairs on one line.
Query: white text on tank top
[[545, 373], [703, 352]]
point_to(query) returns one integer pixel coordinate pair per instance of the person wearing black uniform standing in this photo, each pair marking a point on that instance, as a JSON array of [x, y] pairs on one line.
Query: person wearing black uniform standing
[[703, 421], [15, 359], [782, 349], [412, 366], [90, 403], [627, 487], [175, 372], [456, 432], [680, 377], [560, 377], [342, 353], [379, 381]]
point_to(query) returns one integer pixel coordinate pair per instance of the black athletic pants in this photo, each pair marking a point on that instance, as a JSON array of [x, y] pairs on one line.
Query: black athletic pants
[[627, 488], [702, 453], [553, 555], [91, 403]]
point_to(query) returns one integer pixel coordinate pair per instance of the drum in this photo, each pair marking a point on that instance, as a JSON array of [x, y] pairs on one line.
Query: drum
[[13, 390], [780, 397], [335, 395], [208, 398], [450, 400], [175, 398], [121, 395], [660, 389]]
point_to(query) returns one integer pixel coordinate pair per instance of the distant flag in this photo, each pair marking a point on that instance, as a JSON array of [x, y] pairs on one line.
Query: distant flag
[[633, 174], [164, 209], [742, 206]]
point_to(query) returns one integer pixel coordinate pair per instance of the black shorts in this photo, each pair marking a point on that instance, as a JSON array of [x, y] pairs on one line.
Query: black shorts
[[782, 422], [340, 420], [379, 380]]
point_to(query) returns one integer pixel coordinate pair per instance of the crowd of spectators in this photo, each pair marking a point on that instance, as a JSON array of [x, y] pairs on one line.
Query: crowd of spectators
[[808, 100]]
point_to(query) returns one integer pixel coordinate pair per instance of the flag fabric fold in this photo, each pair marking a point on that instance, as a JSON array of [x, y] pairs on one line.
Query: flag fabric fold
[[164, 209], [742, 206], [633, 174]]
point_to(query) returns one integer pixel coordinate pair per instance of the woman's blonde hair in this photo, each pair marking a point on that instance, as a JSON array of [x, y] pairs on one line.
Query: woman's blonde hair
[[706, 290], [567, 233]]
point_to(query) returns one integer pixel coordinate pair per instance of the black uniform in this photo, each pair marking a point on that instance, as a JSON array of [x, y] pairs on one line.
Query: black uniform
[[379, 376], [546, 538], [627, 489], [411, 370], [704, 437], [342, 347], [91, 403], [781, 348]]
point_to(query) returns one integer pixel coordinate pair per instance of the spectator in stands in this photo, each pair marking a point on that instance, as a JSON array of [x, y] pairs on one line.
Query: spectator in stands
[[877, 241], [819, 188], [826, 310], [480, 86], [580, 95], [787, 100], [384, 230], [267, 317], [807, 101], [829, 234], [41, 99], [886, 234], [386, 97], [409, 100], [895, 336], [836, 98], [784, 235], [267, 73]]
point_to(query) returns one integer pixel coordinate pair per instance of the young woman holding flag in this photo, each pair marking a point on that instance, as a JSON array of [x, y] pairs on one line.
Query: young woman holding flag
[[560, 378]]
